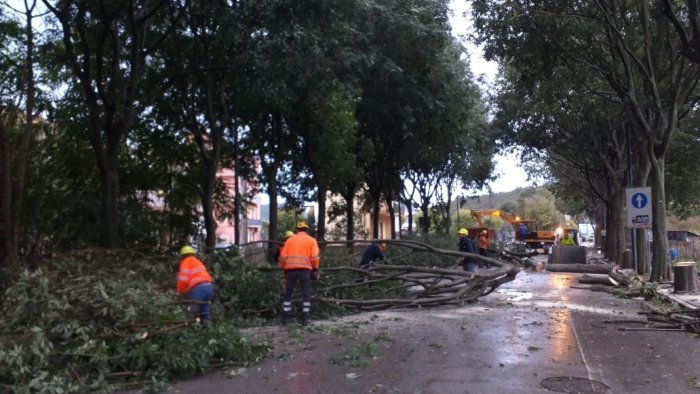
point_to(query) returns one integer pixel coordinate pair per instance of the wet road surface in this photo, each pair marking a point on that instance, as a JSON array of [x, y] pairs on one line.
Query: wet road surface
[[534, 335]]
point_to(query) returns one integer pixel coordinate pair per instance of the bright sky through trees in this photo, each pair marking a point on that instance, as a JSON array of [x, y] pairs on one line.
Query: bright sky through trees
[[510, 175]]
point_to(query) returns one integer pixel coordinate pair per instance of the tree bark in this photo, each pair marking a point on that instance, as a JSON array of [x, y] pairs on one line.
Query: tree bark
[[208, 205], [349, 197], [20, 171], [392, 216], [595, 279], [616, 219], [376, 206], [660, 259], [236, 189], [685, 277], [321, 225], [5, 186], [109, 175]]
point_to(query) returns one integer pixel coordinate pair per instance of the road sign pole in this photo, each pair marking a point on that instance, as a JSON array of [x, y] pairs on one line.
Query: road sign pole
[[639, 213]]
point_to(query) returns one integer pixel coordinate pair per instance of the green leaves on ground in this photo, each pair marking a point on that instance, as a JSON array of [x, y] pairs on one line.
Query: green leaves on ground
[[357, 356], [95, 322]]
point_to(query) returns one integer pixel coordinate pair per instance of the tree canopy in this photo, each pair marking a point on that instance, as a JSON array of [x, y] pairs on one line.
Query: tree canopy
[[150, 100]]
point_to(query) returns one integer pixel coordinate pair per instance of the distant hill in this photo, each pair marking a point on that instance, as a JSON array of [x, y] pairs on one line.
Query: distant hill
[[493, 200], [691, 224]]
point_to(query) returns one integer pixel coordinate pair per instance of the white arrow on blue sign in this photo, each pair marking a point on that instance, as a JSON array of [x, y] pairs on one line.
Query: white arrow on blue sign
[[639, 200], [638, 207]]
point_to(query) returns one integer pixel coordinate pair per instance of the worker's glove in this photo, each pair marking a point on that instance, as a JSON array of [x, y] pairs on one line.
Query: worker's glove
[[315, 275]]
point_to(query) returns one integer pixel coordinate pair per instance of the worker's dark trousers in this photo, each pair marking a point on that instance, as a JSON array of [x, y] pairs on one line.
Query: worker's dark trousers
[[291, 277], [482, 252], [203, 292], [469, 265]]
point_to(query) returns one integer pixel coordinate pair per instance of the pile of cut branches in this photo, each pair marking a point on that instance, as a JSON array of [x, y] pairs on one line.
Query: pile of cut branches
[[674, 320], [98, 321]]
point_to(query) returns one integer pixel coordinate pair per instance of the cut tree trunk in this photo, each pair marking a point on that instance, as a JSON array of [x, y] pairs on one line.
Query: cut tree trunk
[[568, 254], [596, 279], [620, 278], [579, 268], [685, 277]]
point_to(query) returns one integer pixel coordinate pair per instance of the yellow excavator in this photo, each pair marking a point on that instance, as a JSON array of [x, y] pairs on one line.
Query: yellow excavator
[[526, 231]]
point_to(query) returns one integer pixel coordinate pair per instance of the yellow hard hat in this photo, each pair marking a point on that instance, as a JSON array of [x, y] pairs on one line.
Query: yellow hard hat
[[288, 234], [187, 249], [302, 224], [463, 231]]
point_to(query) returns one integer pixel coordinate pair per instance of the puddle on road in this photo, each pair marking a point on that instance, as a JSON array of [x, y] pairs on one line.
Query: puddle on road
[[515, 295]]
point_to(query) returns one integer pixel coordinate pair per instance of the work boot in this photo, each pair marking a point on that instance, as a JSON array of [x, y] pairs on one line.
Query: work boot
[[285, 318], [305, 319]]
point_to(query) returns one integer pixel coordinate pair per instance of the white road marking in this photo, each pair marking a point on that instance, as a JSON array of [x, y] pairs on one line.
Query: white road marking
[[594, 373]]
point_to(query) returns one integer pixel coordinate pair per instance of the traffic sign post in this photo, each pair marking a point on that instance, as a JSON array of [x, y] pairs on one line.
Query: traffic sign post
[[638, 207], [638, 213]]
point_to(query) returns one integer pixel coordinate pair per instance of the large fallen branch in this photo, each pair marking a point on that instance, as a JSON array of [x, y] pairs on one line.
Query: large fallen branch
[[394, 284]]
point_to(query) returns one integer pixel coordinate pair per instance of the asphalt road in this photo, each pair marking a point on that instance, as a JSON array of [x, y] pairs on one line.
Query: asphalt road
[[534, 335]]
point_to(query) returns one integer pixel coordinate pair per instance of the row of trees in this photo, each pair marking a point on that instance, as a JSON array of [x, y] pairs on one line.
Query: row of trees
[[583, 83], [108, 109]]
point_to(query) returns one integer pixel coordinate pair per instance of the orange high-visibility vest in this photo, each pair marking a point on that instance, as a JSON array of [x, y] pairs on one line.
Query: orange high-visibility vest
[[299, 252], [192, 272], [483, 242]]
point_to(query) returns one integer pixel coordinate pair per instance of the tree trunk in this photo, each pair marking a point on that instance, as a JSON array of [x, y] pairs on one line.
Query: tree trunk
[[616, 219], [5, 187], [685, 277], [660, 259], [600, 225], [641, 167], [270, 171], [595, 279], [208, 205], [615, 226], [110, 196], [410, 217], [12, 177], [642, 251], [425, 225], [392, 217], [321, 225], [20, 170], [376, 204], [236, 190], [349, 196], [350, 213], [271, 174]]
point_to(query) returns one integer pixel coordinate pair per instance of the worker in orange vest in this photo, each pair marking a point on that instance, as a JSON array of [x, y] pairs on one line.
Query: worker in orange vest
[[195, 283], [483, 245], [299, 260]]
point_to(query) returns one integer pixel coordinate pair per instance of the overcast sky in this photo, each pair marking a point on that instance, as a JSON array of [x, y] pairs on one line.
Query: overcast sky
[[510, 175]]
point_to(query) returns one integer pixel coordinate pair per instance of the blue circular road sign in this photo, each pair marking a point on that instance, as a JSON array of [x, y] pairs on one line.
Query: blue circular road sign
[[639, 200]]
